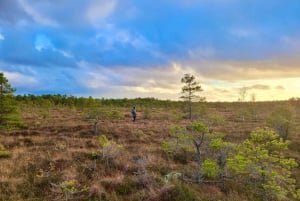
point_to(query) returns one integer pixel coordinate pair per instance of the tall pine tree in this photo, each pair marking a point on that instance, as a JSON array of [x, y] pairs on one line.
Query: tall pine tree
[[189, 90]]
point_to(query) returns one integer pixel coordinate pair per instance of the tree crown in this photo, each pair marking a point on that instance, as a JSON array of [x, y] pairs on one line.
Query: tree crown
[[5, 87], [190, 88]]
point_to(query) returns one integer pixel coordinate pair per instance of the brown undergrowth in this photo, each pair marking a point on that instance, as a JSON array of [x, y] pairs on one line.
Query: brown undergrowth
[[60, 146]]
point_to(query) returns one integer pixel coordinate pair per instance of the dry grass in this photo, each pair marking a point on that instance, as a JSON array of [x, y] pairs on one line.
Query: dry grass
[[59, 143]]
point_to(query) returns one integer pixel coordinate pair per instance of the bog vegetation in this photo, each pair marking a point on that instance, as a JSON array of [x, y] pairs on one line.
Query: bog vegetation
[[59, 147]]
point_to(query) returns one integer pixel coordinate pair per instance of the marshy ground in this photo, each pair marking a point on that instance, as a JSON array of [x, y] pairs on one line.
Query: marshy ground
[[60, 146]]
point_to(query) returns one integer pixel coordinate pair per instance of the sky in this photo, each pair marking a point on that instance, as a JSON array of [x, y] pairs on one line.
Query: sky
[[142, 48]]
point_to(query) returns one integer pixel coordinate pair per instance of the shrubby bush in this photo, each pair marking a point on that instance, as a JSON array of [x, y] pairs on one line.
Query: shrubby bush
[[260, 162], [110, 150], [281, 120], [4, 154]]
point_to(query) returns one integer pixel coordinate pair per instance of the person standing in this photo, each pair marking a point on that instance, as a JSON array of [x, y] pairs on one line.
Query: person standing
[[133, 112]]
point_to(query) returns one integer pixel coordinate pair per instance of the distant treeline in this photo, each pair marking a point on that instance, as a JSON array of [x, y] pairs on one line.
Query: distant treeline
[[73, 101], [81, 102]]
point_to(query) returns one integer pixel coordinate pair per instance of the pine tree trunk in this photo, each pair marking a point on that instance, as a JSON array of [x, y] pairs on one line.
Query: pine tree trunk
[[190, 110], [96, 126]]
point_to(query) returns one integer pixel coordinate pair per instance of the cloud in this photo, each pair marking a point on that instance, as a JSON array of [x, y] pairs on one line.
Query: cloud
[[160, 82], [19, 80], [202, 52], [11, 12], [35, 50], [291, 44], [99, 11], [258, 87], [43, 42], [190, 3], [246, 70], [31, 80], [101, 32], [55, 14], [111, 37], [216, 90], [221, 90], [141, 48], [144, 82], [244, 32], [279, 87], [1, 37], [36, 15]]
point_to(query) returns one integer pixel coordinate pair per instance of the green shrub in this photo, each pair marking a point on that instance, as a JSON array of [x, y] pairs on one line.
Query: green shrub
[[110, 149], [103, 141], [178, 144], [70, 188], [168, 148], [214, 120], [281, 119], [147, 113], [4, 154], [115, 114], [298, 194], [210, 168], [93, 155], [261, 162]]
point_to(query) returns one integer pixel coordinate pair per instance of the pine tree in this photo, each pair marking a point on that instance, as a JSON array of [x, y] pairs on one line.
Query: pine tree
[[7, 105], [261, 163], [189, 89]]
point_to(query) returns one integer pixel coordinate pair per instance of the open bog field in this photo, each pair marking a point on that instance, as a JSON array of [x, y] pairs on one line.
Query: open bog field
[[121, 100], [59, 157]]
